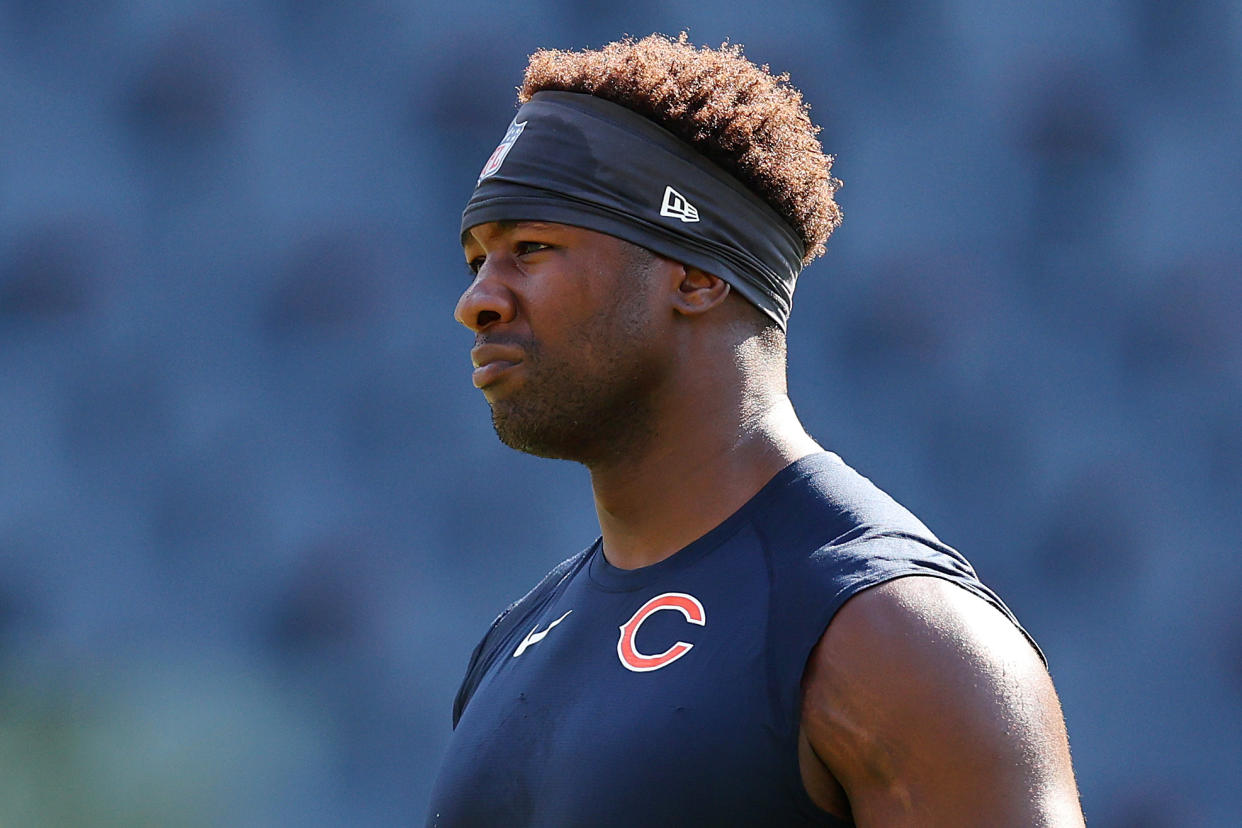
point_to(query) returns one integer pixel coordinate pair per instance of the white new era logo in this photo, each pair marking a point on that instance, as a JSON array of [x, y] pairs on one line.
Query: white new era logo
[[676, 206]]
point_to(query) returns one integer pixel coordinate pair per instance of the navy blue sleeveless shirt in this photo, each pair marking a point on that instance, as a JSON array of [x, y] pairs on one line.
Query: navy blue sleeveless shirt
[[670, 694]]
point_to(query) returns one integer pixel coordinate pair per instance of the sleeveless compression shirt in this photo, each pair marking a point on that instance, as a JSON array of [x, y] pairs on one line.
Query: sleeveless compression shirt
[[670, 694]]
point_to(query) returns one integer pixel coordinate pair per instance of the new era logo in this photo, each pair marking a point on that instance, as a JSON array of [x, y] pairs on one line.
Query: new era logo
[[676, 206]]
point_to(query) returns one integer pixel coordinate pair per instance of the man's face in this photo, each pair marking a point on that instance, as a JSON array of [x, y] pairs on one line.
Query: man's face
[[567, 325]]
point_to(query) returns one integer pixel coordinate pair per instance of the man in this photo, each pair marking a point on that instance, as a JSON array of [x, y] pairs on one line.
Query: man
[[760, 636]]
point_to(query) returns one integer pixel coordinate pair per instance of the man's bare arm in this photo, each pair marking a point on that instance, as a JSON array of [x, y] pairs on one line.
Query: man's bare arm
[[929, 707]]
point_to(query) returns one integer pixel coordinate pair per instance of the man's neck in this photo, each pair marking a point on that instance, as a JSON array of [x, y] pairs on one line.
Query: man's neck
[[692, 477]]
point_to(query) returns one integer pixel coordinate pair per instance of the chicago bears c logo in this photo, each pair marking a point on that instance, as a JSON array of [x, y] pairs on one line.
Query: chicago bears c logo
[[687, 605]]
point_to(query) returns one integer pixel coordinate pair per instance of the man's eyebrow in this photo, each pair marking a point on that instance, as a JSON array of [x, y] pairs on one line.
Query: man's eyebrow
[[503, 225]]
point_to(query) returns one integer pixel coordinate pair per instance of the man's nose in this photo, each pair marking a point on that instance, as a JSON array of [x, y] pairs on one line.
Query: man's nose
[[485, 303]]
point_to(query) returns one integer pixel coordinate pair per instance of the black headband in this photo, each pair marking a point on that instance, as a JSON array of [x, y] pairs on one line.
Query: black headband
[[577, 159]]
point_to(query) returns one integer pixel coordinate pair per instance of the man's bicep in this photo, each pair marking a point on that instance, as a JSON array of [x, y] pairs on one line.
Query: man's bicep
[[931, 708]]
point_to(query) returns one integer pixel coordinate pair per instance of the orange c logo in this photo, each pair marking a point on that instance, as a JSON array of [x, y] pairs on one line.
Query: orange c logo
[[631, 658]]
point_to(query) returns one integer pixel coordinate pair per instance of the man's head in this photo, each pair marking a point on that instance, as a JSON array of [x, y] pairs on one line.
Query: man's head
[[581, 329]]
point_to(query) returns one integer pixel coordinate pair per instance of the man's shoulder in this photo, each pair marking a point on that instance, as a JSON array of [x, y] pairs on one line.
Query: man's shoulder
[[820, 500], [493, 640], [547, 585], [532, 600], [829, 534], [823, 515], [910, 622]]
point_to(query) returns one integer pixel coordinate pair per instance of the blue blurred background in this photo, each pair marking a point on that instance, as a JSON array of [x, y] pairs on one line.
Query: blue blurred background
[[252, 514]]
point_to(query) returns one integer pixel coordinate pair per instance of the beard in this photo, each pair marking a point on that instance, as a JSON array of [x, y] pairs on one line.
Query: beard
[[585, 417], [590, 402]]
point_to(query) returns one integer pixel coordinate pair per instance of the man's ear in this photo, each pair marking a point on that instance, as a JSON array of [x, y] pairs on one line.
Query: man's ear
[[697, 291]]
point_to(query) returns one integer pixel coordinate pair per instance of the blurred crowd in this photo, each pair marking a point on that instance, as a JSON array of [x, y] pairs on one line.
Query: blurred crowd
[[252, 514]]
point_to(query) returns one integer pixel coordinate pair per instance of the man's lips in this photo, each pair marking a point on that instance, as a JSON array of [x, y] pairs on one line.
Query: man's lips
[[490, 361]]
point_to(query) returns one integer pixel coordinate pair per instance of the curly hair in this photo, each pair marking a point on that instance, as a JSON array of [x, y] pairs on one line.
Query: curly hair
[[748, 121]]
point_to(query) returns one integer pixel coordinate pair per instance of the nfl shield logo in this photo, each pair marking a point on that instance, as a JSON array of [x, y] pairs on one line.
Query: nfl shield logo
[[498, 157]]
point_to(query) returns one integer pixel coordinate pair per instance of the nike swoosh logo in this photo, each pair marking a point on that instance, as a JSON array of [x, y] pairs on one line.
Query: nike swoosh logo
[[536, 635]]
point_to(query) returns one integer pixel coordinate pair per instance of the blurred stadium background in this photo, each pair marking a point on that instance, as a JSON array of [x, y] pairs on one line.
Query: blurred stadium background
[[252, 514]]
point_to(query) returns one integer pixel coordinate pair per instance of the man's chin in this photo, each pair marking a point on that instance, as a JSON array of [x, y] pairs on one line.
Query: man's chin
[[525, 434]]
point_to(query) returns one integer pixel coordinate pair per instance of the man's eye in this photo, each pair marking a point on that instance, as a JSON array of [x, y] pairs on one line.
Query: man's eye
[[519, 249]]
